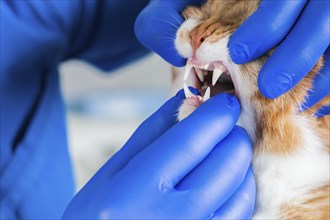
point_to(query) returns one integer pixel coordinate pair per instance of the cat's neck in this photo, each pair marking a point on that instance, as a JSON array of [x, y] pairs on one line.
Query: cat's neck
[[278, 131]]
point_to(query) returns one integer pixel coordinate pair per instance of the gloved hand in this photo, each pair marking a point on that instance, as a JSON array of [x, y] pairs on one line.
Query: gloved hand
[[156, 27], [301, 29], [194, 169]]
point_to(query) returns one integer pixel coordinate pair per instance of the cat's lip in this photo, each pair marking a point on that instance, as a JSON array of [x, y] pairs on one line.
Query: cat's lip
[[208, 74]]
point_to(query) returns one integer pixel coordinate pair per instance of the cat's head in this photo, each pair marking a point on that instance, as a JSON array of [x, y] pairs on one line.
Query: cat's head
[[203, 39]]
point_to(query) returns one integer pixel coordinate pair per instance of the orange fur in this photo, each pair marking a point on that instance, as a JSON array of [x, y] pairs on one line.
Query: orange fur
[[318, 207], [277, 132]]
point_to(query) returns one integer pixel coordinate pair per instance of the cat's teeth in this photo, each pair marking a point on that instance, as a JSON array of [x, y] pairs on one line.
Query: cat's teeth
[[216, 75], [207, 94], [187, 71], [187, 91], [200, 74], [206, 66]]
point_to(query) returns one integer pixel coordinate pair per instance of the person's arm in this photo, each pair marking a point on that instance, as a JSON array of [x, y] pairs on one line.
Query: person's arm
[[45, 33], [194, 169], [37, 35]]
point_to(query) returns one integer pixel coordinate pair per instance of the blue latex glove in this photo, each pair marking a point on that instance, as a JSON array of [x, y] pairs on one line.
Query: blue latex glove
[[194, 169], [301, 29], [156, 27]]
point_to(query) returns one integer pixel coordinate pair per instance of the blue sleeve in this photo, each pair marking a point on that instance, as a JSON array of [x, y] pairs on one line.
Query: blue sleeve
[[35, 36], [48, 32]]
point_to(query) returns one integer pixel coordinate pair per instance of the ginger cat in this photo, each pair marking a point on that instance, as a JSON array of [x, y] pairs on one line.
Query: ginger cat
[[291, 148]]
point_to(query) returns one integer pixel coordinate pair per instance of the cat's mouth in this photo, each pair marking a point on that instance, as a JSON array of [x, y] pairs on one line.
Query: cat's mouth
[[209, 78]]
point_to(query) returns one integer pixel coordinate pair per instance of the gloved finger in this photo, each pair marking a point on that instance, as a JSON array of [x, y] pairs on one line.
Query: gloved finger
[[187, 143], [241, 204], [298, 53], [325, 110], [156, 28], [264, 29], [321, 84], [146, 133], [220, 174]]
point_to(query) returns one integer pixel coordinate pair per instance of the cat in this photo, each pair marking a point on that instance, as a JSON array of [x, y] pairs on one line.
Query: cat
[[290, 148]]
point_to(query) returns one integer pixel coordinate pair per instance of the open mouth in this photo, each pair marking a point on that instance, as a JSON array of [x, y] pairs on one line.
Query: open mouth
[[209, 78]]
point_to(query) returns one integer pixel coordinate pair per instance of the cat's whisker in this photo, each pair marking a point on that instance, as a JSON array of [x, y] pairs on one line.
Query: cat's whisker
[[173, 25], [301, 105], [168, 38], [310, 109], [170, 48], [182, 14], [321, 74], [227, 28], [164, 37], [179, 22]]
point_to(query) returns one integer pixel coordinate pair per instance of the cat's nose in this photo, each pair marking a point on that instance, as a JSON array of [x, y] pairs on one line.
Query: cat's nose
[[197, 38]]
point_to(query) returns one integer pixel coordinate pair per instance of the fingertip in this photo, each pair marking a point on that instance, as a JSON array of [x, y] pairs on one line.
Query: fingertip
[[220, 113], [264, 29], [156, 30], [175, 59], [239, 53], [180, 94], [224, 101], [140, 25], [273, 85], [193, 90]]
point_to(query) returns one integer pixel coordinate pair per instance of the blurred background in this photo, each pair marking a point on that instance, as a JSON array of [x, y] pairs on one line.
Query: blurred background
[[104, 109]]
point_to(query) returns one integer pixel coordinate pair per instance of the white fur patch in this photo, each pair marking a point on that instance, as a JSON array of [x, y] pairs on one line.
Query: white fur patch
[[216, 51], [185, 110], [182, 45], [287, 179]]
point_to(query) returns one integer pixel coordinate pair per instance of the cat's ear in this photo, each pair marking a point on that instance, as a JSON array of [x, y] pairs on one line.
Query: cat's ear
[[193, 12]]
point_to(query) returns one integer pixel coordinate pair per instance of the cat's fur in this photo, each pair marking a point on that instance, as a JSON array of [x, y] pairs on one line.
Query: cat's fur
[[291, 148]]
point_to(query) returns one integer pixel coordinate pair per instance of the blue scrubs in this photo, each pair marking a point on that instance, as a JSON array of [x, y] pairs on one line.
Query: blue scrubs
[[35, 169]]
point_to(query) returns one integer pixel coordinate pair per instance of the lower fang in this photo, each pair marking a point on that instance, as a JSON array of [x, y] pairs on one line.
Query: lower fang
[[207, 94], [187, 91]]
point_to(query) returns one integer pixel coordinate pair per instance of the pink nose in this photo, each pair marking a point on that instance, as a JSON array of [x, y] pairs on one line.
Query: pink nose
[[197, 39]]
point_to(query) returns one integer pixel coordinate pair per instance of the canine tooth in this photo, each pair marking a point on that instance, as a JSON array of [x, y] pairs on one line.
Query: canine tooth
[[216, 75], [187, 71], [187, 92], [207, 94], [200, 74]]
